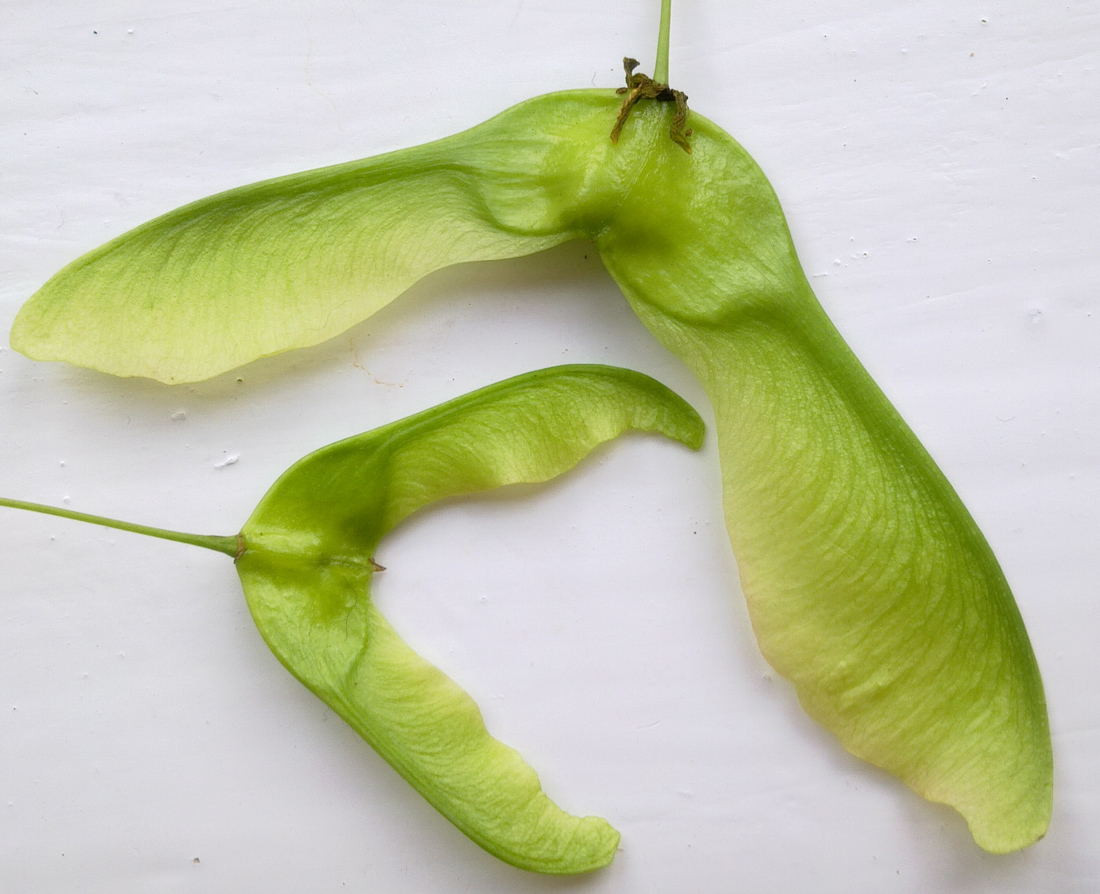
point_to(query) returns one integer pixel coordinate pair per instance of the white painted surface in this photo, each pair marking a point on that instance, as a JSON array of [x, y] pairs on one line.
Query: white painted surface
[[940, 166]]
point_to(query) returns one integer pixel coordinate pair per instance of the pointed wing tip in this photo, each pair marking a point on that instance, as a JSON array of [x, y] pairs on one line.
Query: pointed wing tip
[[682, 422], [695, 430]]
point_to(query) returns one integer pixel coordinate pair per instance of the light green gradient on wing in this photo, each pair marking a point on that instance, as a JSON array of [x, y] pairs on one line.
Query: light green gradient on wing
[[282, 264], [306, 573], [304, 559], [869, 585]]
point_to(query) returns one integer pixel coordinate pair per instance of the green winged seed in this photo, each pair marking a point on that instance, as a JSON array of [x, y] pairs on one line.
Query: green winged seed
[[869, 585], [304, 559]]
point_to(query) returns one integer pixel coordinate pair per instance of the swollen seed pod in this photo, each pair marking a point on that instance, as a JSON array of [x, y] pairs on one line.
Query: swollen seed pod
[[869, 585], [304, 560]]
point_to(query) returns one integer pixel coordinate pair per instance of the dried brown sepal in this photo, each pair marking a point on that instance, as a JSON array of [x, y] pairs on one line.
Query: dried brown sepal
[[639, 87]]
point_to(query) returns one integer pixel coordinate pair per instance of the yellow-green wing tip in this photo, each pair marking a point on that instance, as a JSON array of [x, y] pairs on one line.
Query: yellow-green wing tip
[[26, 333], [1008, 837], [595, 846], [671, 415], [1006, 827], [692, 428], [1003, 791], [603, 841], [591, 846], [41, 335]]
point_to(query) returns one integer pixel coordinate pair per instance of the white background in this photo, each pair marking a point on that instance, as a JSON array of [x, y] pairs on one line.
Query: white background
[[940, 165]]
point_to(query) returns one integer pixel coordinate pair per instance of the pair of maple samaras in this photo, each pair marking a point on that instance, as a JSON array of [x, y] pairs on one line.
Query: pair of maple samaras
[[869, 585]]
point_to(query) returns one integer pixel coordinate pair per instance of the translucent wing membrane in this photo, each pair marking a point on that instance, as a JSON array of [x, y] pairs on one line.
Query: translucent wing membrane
[[869, 585], [282, 264], [304, 559], [306, 573]]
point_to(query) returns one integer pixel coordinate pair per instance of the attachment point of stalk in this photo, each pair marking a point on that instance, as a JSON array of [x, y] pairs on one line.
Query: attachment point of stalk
[[639, 87]]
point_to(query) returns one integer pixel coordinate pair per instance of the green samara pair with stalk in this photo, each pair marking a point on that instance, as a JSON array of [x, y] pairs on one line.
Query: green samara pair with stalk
[[869, 585]]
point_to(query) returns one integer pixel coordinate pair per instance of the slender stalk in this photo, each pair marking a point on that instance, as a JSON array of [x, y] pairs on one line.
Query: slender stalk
[[227, 545], [660, 69]]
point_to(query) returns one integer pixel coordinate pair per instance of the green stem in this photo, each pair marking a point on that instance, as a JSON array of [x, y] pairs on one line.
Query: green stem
[[660, 69], [227, 545]]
